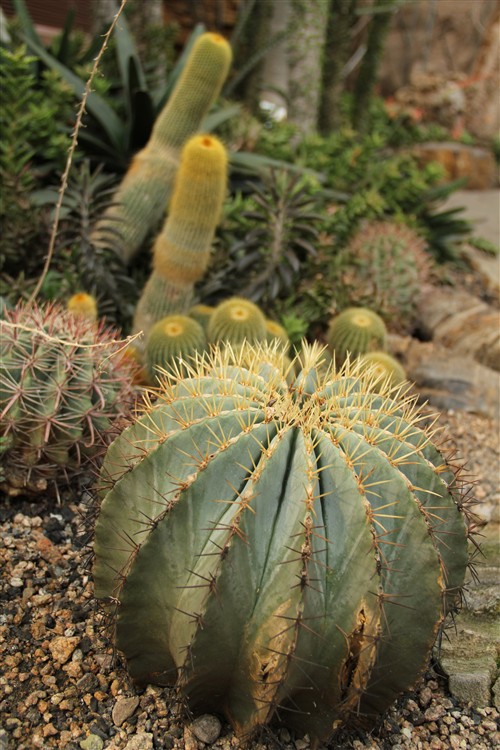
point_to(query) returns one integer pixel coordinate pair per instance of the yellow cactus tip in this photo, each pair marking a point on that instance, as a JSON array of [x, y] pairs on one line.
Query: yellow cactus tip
[[173, 328], [83, 305], [217, 38]]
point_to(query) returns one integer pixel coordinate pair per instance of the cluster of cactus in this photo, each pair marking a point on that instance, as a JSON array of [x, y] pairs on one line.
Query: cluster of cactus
[[359, 332], [383, 267], [61, 393], [278, 551], [143, 195], [175, 339]]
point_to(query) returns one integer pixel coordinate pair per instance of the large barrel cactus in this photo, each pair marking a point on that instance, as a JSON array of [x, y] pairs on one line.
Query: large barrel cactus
[[278, 551]]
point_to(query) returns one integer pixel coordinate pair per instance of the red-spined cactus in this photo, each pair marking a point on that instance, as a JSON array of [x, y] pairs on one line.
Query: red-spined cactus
[[61, 392], [276, 550]]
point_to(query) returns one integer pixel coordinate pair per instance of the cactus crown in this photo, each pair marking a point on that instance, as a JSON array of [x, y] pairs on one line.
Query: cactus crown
[[286, 525]]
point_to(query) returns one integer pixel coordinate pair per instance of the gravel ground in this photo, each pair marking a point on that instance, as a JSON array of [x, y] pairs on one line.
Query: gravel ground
[[61, 687]]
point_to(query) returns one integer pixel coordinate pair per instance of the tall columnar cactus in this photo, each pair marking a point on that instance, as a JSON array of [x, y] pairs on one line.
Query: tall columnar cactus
[[61, 391], [143, 194], [237, 320], [383, 267], [182, 249], [354, 331], [172, 338], [275, 550]]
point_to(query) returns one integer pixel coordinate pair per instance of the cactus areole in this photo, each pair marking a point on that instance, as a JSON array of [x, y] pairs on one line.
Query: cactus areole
[[278, 551]]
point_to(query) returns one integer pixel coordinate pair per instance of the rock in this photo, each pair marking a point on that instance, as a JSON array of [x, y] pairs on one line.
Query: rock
[[461, 322], [92, 742], [471, 687], [206, 728], [4, 740], [62, 647], [496, 695], [477, 165], [123, 709], [140, 741]]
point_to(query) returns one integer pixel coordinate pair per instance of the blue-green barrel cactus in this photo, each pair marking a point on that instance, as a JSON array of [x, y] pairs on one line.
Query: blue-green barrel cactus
[[278, 551]]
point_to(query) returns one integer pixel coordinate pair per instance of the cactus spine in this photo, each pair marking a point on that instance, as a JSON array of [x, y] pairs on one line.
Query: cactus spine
[[172, 338], [143, 195], [354, 331], [182, 249], [288, 526]]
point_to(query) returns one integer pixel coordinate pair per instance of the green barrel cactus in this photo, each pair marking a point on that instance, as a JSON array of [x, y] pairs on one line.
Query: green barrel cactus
[[355, 331], [383, 267], [201, 313], [172, 339], [142, 196], [276, 332], [278, 551], [63, 388], [182, 249], [384, 367], [236, 320]]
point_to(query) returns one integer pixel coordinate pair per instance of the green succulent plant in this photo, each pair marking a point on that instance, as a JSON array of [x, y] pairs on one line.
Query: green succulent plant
[[181, 251], [354, 331], [143, 195], [201, 313], [261, 255], [278, 551], [236, 320], [62, 391], [170, 340], [383, 267]]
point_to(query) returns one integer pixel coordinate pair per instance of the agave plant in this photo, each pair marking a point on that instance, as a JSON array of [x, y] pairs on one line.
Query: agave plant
[[278, 551]]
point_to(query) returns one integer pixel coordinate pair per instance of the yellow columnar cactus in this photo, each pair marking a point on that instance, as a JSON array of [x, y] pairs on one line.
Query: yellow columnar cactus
[[144, 192], [182, 249]]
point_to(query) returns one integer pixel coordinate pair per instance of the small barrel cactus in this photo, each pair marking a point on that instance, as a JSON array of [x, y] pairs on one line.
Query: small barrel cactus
[[61, 392], [278, 551], [171, 339], [384, 367], [83, 305], [354, 331], [383, 267], [182, 249], [236, 320], [276, 332], [201, 313], [142, 197]]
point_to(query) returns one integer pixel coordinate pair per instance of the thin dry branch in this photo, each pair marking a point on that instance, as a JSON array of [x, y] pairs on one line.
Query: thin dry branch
[[71, 152]]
